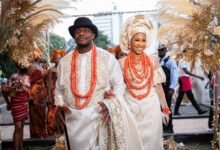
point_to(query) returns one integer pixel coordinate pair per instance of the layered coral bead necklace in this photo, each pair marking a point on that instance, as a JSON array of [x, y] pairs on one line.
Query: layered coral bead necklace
[[139, 75], [74, 79]]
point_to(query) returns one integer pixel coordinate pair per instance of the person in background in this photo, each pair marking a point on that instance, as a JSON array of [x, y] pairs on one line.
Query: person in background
[[186, 87], [215, 99], [179, 56], [209, 85], [52, 78], [170, 69], [15, 93], [38, 95], [117, 52], [46, 66]]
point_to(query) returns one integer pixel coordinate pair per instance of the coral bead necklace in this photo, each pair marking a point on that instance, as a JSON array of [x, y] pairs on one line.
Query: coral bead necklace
[[139, 75], [74, 78]]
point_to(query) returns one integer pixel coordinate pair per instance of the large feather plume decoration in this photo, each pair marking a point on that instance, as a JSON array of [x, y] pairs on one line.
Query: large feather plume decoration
[[176, 11], [22, 22], [192, 26]]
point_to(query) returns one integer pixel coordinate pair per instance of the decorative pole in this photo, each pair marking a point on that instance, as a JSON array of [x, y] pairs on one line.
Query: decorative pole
[[216, 136], [62, 112]]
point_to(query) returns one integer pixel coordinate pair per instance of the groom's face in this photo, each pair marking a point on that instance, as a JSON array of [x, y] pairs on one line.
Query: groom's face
[[83, 36]]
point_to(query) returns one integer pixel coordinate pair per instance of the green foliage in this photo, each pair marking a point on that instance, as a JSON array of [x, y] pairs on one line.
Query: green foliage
[[71, 44], [56, 42], [103, 41], [8, 67]]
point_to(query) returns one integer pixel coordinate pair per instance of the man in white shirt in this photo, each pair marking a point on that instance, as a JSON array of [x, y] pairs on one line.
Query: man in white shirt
[[186, 87]]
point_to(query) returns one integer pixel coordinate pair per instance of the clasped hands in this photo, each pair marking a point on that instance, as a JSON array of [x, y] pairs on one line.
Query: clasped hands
[[104, 110]]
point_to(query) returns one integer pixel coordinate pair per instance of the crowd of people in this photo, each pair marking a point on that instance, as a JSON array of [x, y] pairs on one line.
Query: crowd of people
[[30, 94], [119, 101]]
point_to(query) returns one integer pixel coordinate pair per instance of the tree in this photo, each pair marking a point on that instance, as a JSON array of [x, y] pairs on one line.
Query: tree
[[56, 42], [103, 41], [8, 67], [71, 44]]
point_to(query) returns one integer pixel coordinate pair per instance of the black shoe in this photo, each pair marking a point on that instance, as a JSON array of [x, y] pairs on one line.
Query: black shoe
[[177, 114], [202, 112]]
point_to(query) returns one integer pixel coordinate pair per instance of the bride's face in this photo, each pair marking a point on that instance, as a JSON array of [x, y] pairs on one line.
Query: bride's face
[[138, 43]]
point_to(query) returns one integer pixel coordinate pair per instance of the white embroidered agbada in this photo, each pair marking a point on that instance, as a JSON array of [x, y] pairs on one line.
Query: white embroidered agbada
[[85, 128], [147, 112]]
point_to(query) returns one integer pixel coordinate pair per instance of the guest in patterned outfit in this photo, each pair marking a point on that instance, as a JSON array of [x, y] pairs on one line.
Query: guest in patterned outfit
[[38, 95], [52, 78], [15, 93]]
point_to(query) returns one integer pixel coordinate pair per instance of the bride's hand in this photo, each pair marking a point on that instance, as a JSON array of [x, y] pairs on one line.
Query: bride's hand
[[168, 118], [109, 94]]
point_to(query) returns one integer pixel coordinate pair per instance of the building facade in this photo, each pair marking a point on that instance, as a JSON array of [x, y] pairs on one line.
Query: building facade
[[111, 26]]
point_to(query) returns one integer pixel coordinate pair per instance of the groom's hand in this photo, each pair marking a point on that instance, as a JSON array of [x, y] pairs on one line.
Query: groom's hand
[[105, 113], [109, 94]]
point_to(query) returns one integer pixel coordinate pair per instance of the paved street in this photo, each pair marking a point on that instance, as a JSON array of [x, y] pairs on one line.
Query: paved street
[[180, 125]]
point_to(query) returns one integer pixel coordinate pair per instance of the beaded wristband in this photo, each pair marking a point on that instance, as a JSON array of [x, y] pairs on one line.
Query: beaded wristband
[[166, 110], [57, 108]]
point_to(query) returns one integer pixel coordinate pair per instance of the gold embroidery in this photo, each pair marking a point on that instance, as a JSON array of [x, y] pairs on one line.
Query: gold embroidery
[[102, 78]]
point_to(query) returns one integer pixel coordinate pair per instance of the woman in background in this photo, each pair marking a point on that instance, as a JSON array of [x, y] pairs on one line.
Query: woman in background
[[15, 93], [52, 78], [38, 95]]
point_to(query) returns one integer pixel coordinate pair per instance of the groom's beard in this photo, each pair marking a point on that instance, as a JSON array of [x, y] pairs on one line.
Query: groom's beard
[[83, 45]]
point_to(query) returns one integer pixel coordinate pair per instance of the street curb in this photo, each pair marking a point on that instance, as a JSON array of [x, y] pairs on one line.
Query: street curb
[[47, 142], [189, 117], [178, 137], [191, 137]]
